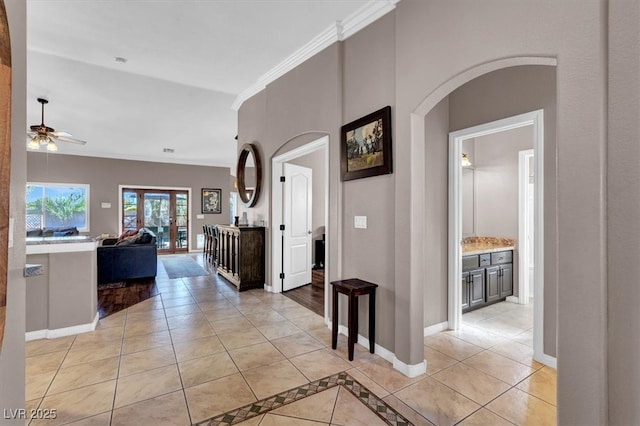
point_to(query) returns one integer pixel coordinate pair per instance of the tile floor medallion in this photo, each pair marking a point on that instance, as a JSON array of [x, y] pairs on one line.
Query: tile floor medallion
[[364, 395]]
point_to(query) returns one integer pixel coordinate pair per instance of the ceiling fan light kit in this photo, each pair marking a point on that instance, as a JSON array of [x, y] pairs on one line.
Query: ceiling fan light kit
[[44, 136]]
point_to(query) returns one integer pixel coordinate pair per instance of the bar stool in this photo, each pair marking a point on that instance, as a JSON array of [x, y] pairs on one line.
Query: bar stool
[[204, 241], [215, 236], [353, 288]]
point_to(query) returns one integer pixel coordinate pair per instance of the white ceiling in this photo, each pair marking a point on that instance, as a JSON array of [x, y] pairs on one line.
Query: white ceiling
[[187, 62]]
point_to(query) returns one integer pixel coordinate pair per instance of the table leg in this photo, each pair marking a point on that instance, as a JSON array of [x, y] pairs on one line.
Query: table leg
[[372, 320], [334, 322], [353, 321]]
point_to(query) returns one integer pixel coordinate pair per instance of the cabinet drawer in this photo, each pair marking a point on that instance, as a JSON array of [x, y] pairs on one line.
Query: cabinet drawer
[[470, 262], [501, 257], [485, 259]]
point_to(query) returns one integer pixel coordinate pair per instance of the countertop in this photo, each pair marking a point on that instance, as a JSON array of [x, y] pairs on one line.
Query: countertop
[[60, 240], [74, 243], [481, 245]]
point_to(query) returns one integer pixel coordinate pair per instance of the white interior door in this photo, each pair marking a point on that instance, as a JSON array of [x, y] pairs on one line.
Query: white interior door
[[297, 220]]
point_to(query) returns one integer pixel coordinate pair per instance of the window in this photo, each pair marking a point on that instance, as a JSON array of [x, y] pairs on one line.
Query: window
[[52, 205]]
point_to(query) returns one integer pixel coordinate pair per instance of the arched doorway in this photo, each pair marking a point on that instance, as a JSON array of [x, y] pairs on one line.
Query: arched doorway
[[418, 175]]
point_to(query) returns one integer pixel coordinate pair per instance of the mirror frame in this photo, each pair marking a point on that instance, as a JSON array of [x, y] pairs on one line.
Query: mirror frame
[[248, 148]]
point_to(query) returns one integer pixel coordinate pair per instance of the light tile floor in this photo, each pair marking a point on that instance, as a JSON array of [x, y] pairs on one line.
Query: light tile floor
[[200, 349]]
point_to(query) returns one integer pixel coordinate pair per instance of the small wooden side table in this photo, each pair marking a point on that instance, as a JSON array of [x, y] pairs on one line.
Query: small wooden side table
[[353, 288]]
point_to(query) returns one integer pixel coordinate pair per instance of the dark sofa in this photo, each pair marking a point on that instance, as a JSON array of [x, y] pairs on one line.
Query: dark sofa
[[129, 258]]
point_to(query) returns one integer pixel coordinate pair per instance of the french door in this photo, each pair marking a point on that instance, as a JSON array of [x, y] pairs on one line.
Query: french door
[[164, 212]]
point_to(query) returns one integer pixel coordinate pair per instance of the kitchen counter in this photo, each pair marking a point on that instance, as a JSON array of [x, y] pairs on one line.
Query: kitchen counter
[[62, 286], [74, 243], [480, 245]]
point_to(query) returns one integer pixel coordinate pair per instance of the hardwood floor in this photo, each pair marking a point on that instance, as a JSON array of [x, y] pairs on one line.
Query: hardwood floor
[[113, 298], [311, 296]]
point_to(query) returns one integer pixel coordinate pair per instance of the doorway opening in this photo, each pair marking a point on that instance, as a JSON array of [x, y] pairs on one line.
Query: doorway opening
[[455, 290], [299, 244], [164, 211]]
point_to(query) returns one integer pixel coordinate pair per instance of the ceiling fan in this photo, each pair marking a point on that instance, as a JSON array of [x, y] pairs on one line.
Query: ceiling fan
[[42, 135]]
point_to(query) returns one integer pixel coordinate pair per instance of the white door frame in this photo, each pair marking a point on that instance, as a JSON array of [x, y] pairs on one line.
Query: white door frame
[[534, 118], [523, 225], [277, 213]]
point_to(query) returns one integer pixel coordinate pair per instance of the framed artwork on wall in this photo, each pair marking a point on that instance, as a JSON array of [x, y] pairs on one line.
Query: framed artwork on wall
[[365, 148], [211, 201]]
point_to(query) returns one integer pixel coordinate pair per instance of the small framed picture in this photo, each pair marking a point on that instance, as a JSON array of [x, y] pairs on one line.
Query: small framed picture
[[365, 148], [211, 201]]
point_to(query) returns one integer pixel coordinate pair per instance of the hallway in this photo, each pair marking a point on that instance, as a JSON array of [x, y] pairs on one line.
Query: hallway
[[201, 349]]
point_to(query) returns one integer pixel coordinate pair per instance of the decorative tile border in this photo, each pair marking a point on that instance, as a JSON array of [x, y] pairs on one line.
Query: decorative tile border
[[364, 395]]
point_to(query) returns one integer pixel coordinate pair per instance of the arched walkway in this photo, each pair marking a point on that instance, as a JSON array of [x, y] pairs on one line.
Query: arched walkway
[[417, 212]]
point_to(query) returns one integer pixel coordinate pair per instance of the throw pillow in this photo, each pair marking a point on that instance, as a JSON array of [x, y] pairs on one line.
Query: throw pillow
[[131, 239], [126, 234], [143, 237]]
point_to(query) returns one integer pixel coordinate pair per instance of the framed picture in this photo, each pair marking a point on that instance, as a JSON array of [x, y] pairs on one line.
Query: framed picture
[[211, 201], [365, 148]]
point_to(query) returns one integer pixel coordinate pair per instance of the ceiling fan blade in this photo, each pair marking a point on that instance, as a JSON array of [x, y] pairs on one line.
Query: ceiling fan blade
[[71, 140], [63, 134], [32, 134]]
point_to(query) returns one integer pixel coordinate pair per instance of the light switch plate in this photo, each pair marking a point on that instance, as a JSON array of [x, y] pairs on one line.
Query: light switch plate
[[200, 216], [106, 205], [360, 222]]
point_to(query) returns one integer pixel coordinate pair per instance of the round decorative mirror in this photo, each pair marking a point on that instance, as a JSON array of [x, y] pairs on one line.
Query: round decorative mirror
[[249, 174]]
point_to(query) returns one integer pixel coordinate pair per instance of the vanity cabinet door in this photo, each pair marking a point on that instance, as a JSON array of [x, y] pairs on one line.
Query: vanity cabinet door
[[506, 280], [465, 291], [493, 285], [476, 290]]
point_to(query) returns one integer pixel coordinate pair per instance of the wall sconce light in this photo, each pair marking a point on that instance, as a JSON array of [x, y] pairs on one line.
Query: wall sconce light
[[465, 161]]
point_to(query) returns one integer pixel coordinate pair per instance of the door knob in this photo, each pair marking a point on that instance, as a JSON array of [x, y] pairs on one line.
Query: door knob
[[309, 232]]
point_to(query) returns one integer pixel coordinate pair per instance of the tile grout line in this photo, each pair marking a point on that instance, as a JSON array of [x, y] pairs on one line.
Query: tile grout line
[[184, 393]]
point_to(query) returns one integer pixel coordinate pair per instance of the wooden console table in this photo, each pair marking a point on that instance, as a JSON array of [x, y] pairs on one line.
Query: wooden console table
[[353, 288], [241, 255]]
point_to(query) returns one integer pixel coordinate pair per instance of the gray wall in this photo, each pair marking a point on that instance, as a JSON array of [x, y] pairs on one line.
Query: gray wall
[[12, 370], [315, 162], [58, 300], [104, 175], [623, 208], [496, 174], [436, 214], [369, 84]]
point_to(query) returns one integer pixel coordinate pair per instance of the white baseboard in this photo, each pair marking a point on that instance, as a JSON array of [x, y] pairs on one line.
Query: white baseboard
[[513, 299], [61, 332], [410, 370], [547, 360], [381, 351], [436, 328]]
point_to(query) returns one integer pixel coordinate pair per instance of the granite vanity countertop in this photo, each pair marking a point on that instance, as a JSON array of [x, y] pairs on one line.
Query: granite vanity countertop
[[480, 245], [60, 240]]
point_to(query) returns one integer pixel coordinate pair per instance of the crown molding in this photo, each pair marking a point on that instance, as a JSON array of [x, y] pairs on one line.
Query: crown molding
[[341, 30], [364, 16]]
